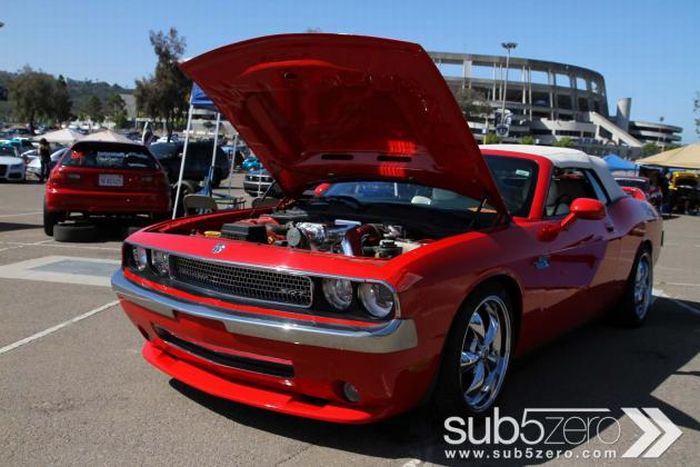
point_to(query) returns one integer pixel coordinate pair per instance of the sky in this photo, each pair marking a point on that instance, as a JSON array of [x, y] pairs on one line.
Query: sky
[[646, 50]]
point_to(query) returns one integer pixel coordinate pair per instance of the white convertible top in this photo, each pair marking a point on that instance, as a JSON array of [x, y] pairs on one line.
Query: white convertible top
[[566, 157]]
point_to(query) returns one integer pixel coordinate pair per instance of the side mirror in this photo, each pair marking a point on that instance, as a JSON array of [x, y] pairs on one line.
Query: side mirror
[[587, 209], [581, 209]]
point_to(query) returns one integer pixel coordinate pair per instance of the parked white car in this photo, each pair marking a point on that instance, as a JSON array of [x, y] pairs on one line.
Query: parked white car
[[11, 167], [34, 166]]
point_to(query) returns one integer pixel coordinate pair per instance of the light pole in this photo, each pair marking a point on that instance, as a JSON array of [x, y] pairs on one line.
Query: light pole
[[508, 46]]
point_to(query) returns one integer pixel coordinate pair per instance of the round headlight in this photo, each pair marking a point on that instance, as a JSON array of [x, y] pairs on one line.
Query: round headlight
[[377, 299], [140, 257], [338, 292], [161, 263]]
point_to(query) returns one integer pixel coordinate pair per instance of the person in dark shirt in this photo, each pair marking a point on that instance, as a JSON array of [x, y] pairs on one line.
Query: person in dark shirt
[[45, 155]]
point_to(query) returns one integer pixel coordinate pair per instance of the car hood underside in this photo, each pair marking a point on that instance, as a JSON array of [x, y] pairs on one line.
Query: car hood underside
[[325, 107]]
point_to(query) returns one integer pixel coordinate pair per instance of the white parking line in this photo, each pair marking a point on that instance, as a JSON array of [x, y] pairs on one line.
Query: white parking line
[[687, 307], [51, 242], [31, 213], [682, 284], [661, 294], [58, 327]]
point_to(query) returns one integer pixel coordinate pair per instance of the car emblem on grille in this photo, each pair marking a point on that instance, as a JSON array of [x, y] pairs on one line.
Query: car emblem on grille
[[218, 248]]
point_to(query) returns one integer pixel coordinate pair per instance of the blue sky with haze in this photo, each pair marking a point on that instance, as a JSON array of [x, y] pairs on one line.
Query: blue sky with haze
[[645, 49]]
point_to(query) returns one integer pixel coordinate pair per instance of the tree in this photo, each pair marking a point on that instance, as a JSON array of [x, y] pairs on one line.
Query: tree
[[491, 138], [527, 139], [650, 149], [472, 103], [31, 93], [38, 96], [116, 109], [164, 94], [115, 104], [94, 109], [62, 103], [564, 142]]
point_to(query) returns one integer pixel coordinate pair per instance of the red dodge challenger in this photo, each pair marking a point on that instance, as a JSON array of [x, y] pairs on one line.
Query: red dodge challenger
[[405, 263]]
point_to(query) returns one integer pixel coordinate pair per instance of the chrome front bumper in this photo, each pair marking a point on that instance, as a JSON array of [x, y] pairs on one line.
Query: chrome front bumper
[[393, 336]]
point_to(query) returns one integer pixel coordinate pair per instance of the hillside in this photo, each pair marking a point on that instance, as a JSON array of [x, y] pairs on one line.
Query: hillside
[[80, 92]]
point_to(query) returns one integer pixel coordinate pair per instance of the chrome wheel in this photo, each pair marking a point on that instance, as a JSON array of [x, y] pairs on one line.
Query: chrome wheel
[[642, 286], [485, 353]]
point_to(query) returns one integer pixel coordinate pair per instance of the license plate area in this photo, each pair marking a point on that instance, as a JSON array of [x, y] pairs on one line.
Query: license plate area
[[111, 180]]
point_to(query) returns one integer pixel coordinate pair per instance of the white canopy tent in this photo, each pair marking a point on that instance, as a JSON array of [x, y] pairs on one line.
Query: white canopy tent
[[65, 136], [108, 136], [686, 157]]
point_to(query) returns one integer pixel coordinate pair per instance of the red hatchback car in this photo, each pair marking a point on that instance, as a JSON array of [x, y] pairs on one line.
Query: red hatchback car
[[96, 178], [417, 272]]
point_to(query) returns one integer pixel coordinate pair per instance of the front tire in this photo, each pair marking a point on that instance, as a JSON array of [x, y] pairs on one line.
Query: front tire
[[477, 354], [638, 294]]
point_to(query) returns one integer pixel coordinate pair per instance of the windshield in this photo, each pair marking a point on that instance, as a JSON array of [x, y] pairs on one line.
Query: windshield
[[515, 178], [382, 192], [161, 150], [688, 181], [634, 183], [110, 156], [7, 151]]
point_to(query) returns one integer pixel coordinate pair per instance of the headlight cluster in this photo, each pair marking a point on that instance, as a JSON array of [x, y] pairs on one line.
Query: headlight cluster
[[376, 298], [145, 260], [351, 298]]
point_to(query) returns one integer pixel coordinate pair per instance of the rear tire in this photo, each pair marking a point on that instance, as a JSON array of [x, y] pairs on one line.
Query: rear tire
[[50, 221], [477, 354], [75, 233], [636, 302], [216, 179]]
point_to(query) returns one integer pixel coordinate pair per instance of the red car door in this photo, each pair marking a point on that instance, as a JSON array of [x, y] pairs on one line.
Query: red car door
[[577, 271]]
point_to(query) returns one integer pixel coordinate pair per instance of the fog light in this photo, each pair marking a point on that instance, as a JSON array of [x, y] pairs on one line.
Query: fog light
[[351, 393], [140, 257], [161, 263]]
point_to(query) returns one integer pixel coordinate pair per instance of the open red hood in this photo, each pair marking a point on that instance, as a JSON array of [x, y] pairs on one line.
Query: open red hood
[[320, 107]]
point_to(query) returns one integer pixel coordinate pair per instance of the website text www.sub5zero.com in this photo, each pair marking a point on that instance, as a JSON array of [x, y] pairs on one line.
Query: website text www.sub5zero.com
[[527, 454]]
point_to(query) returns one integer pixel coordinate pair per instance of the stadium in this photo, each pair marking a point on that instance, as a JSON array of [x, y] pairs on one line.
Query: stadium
[[548, 101]]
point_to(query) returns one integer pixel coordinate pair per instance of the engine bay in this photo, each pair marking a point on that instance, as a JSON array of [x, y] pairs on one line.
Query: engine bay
[[299, 229], [338, 225]]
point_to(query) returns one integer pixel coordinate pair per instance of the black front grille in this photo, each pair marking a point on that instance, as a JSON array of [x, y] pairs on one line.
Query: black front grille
[[3, 170], [244, 282], [233, 361]]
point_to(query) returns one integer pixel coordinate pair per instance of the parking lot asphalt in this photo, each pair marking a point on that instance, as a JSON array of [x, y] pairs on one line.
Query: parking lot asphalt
[[75, 390]]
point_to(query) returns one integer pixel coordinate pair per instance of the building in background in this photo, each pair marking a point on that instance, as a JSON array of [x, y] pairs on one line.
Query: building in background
[[655, 132], [549, 101]]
